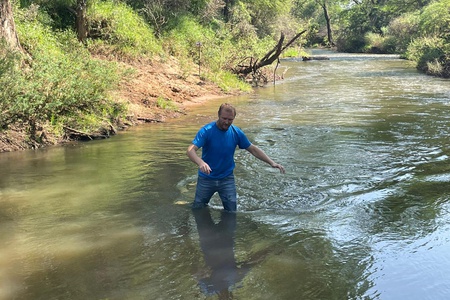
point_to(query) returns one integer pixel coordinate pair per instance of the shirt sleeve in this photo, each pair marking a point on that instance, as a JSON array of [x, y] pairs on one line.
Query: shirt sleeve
[[243, 142], [199, 139]]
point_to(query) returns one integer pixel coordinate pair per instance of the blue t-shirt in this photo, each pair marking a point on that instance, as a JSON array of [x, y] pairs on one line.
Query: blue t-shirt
[[218, 148]]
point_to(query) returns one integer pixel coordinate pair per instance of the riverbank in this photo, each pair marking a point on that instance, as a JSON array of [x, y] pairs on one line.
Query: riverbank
[[148, 83]]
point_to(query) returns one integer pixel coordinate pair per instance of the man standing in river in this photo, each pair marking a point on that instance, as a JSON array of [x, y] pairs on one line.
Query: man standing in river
[[218, 141]]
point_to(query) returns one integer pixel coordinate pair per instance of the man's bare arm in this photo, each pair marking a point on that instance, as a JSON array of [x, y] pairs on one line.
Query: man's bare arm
[[193, 156], [261, 155]]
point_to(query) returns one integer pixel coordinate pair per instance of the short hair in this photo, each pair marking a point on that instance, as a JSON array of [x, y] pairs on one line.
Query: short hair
[[227, 107]]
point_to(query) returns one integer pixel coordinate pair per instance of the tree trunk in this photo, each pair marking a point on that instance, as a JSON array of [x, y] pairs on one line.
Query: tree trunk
[[81, 20], [328, 19], [7, 25], [227, 9]]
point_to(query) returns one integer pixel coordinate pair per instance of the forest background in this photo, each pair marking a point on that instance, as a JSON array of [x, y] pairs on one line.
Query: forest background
[[86, 68]]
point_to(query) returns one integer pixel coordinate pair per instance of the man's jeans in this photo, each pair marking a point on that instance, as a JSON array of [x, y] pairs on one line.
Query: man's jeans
[[207, 187]]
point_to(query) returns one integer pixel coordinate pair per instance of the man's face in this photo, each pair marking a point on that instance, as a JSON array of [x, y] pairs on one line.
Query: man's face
[[226, 118]]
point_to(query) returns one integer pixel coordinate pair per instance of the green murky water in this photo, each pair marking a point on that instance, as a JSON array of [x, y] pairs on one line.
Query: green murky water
[[362, 212]]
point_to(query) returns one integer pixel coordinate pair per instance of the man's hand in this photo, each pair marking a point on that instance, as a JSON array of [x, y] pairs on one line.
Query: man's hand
[[280, 167], [204, 167], [192, 154]]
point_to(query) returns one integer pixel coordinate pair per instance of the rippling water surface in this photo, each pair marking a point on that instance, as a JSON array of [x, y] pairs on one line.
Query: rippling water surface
[[362, 212]]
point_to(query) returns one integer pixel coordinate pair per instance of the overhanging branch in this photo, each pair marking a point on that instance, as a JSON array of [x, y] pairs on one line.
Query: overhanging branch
[[269, 58]]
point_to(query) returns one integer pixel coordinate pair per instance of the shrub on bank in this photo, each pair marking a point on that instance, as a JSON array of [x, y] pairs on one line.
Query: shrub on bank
[[116, 28], [378, 43], [57, 83], [10, 78], [430, 55], [213, 51], [402, 30]]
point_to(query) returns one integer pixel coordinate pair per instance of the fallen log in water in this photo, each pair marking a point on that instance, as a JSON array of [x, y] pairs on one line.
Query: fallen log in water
[[306, 58], [75, 134]]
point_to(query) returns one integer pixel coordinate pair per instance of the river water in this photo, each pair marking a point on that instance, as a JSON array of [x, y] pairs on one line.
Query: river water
[[363, 211]]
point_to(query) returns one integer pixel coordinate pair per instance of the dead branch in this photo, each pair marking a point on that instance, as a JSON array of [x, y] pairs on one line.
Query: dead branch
[[269, 58]]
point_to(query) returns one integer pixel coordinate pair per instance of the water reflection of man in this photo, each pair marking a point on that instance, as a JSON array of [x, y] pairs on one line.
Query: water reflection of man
[[217, 244]]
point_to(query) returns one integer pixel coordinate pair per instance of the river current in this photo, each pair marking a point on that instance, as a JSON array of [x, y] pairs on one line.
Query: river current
[[361, 213]]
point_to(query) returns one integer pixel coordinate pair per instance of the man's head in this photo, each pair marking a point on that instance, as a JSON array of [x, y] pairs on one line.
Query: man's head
[[227, 107], [226, 113]]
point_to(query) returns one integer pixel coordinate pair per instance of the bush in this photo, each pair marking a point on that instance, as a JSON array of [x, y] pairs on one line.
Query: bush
[[350, 43], [166, 104], [374, 43], [10, 78], [426, 50], [116, 27], [435, 19], [379, 43], [228, 81], [215, 51], [61, 82], [184, 35], [402, 30]]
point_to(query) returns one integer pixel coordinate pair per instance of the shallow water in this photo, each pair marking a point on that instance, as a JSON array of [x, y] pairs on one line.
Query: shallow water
[[362, 212]]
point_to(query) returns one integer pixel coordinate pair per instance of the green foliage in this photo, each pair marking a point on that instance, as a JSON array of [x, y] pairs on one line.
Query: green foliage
[[402, 30], [240, 23], [266, 13], [431, 49], [350, 37], [62, 83], [427, 50], [186, 32], [228, 81], [379, 43], [435, 20], [351, 43], [166, 104], [435, 68], [9, 81], [291, 53], [374, 42], [215, 51], [355, 21], [365, 16], [114, 26], [167, 8]]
